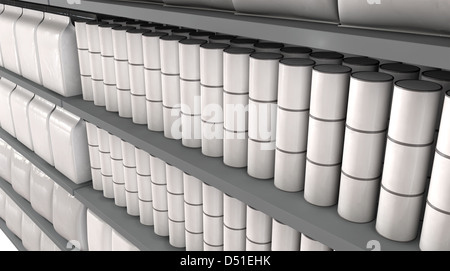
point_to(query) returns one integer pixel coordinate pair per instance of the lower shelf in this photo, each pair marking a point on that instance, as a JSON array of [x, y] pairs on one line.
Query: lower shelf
[[142, 236], [12, 237]]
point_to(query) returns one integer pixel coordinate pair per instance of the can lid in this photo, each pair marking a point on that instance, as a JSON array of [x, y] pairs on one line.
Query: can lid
[[166, 27], [239, 50], [193, 41], [201, 34], [373, 76], [151, 24], [332, 68], [418, 85], [107, 25], [123, 28], [183, 30], [326, 55], [154, 34], [173, 37], [243, 41], [399, 67], [361, 61], [266, 56], [215, 45], [137, 31], [93, 22], [121, 20], [219, 37], [296, 50], [438, 74], [268, 45], [298, 62]]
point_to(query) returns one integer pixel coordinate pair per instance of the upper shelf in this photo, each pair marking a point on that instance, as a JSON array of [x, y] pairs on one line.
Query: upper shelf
[[432, 51]]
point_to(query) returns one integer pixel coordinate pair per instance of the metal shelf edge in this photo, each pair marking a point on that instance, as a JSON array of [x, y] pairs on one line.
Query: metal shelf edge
[[11, 236]]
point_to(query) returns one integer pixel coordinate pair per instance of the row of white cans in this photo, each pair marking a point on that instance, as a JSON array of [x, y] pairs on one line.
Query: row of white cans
[[53, 133], [41, 47], [46, 197]]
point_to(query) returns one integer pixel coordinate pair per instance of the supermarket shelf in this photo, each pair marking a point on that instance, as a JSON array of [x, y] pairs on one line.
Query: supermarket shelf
[[11, 236], [322, 224], [31, 86], [48, 169], [41, 222], [142, 236], [433, 51]]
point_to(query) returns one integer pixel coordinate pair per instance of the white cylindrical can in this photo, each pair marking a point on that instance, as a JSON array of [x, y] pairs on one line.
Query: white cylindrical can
[[235, 148], [169, 54], [284, 237], [263, 76], [108, 186], [443, 78], [262, 120], [172, 122], [137, 81], [234, 213], [289, 172], [146, 213], [443, 144], [153, 87], [309, 244], [327, 57], [144, 185], [128, 156], [139, 109], [119, 39], [159, 197], [190, 97], [111, 102], [358, 198], [193, 217], [151, 53], [132, 201], [233, 240], [194, 241], [212, 200], [292, 130], [235, 111], [212, 139], [170, 85], [259, 226], [363, 153], [175, 183], [325, 141], [321, 183], [134, 46], [190, 58], [329, 91], [434, 235], [236, 69], [158, 170], [369, 101], [261, 159], [98, 92], [253, 246], [142, 162], [405, 168], [398, 216], [414, 111], [211, 104], [192, 189], [213, 230], [294, 83], [175, 206], [86, 86], [177, 235], [160, 222], [439, 185], [155, 116], [211, 64]]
